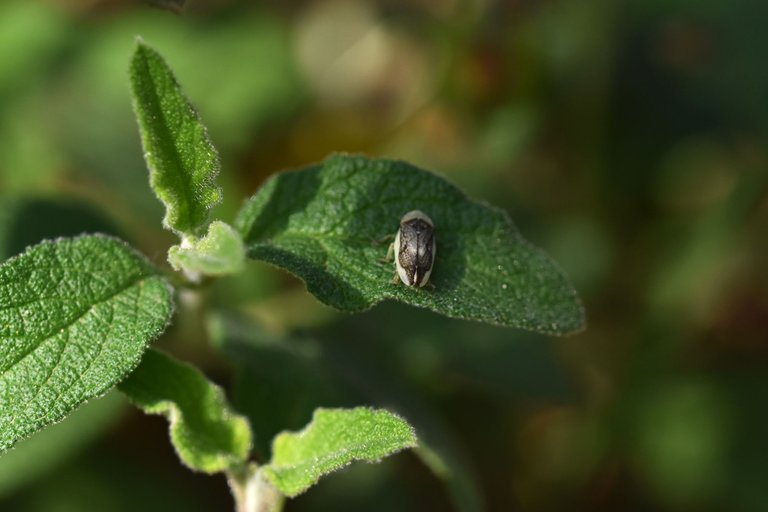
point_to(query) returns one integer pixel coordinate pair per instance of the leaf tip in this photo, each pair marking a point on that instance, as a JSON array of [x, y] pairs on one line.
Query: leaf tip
[[140, 48]]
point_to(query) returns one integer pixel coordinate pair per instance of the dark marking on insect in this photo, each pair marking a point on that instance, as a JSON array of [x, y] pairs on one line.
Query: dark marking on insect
[[414, 249]]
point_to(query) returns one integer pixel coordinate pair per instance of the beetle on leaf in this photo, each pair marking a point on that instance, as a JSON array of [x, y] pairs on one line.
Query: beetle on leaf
[[413, 249]]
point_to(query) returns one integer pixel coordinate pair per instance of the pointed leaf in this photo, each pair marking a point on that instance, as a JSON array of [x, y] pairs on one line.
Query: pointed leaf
[[183, 164], [75, 316], [322, 224], [220, 252], [207, 435], [334, 439]]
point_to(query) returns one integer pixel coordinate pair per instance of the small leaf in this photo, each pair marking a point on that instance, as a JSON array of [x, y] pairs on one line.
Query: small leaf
[[220, 252], [207, 435], [75, 316], [334, 439], [183, 164], [322, 224]]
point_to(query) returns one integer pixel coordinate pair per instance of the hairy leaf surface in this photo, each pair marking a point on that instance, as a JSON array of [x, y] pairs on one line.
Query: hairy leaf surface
[[219, 252], [183, 164], [323, 223], [75, 317], [334, 439], [207, 435]]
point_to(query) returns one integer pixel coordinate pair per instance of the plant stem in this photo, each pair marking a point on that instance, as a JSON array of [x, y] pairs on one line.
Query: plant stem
[[252, 492]]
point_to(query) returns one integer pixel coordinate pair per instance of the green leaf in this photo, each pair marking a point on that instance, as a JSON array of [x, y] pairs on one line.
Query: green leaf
[[220, 252], [207, 435], [334, 439], [183, 164], [75, 316], [321, 224]]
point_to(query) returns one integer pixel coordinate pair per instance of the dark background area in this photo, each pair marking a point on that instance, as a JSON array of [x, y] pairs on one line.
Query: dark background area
[[628, 139]]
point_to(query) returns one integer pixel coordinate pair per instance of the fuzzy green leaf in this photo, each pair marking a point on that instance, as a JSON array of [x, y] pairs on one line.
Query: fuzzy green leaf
[[183, 164], [321, 224], [220, 252], [334, 439], [75, 317], [207, 435]]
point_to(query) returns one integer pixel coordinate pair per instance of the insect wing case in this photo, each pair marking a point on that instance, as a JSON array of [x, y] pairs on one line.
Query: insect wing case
[[415, 248]]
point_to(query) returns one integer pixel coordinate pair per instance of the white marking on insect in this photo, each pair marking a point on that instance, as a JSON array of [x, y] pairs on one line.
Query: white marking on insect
[[414, 248]]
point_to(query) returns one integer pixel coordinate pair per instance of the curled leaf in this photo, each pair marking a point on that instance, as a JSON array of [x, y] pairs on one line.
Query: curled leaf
[[207, 435], [334, 438]]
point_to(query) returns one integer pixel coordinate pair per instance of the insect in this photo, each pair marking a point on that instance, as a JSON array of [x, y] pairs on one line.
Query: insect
[[414, 249]]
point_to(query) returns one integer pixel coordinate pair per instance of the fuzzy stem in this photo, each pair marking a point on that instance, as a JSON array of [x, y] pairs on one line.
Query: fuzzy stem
[[252, 492]]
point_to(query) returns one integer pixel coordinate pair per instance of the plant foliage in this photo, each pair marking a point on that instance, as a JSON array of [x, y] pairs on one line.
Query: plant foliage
[[76, 315], [323, 223]]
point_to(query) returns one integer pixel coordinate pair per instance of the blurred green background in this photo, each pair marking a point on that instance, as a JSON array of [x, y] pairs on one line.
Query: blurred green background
[[628, 139]]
